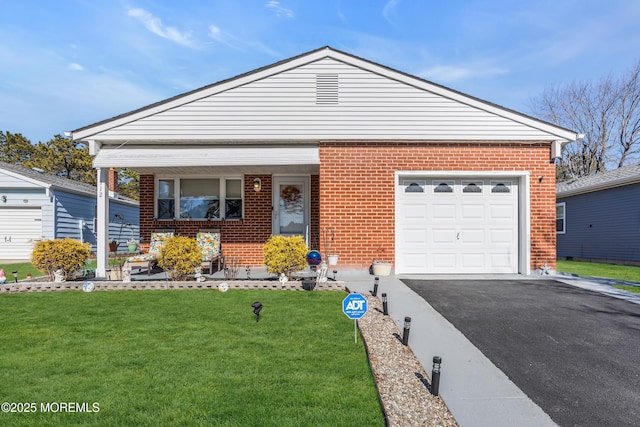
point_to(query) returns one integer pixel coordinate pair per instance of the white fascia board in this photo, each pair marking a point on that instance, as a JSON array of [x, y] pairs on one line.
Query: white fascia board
[[208, 156]]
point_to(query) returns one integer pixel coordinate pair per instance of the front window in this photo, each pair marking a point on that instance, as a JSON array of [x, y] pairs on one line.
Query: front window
[[561, 218], [200, 198]]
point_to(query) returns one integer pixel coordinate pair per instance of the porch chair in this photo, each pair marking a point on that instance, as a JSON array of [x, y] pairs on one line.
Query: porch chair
[[209, 243], [147, 260]]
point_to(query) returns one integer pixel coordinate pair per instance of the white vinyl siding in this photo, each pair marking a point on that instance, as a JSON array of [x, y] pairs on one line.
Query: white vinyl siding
[[284, 106]]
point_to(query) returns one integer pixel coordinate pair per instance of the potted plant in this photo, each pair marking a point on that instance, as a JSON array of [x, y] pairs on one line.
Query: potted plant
[[329, 238], [379, 266], [132, 243]]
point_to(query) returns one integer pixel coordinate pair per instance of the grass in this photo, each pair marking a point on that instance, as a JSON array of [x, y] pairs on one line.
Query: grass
[[592, 269], [634, 289], [185, 358], [23, 268]]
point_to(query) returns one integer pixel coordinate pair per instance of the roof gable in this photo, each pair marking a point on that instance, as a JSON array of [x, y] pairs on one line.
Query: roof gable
[[624, 175], [324, 94]]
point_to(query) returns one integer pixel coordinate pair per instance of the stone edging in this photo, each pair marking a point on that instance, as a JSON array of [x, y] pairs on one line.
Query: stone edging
[[105, 285]]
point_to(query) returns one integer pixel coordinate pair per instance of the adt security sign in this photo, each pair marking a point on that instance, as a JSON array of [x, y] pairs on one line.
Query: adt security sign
[[354, 306]]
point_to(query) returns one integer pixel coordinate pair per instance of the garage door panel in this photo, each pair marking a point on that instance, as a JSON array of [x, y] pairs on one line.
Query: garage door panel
[[443, 262], [502, 236], [415, 212], [473, 262], [503, 211], [445, 212], [472, 212], [443, 236], [472, 236], [415, 236], [19, 229], [471, 226]]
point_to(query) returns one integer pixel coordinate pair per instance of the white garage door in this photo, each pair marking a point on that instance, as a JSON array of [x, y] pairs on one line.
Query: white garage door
[[457, 225], [18, 230]]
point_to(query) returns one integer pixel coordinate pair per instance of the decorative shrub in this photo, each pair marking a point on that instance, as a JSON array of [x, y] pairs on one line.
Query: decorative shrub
[[68, 255], [180, 256], [285, 254]]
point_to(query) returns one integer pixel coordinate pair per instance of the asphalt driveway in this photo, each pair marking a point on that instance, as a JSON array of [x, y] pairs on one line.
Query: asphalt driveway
[[575, 353]]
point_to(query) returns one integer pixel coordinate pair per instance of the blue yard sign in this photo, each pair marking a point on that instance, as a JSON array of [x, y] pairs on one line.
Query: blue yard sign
[[354, 306]]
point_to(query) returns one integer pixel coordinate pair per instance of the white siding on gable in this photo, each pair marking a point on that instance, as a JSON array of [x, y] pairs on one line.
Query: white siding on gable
[[284, 106], [10, 181]]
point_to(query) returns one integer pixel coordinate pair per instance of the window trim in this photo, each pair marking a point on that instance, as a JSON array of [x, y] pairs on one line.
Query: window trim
[[222, 198], [564, 217]]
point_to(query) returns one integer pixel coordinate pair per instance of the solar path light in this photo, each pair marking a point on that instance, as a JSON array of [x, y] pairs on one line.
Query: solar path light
[[257, 308]]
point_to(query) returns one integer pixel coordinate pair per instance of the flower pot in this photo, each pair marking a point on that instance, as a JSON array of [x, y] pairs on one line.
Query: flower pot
[[113, 246], [333, 259], [381, 268], [132, 247]]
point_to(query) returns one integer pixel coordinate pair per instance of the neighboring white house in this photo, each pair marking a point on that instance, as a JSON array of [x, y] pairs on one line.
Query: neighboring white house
[[36, 205]]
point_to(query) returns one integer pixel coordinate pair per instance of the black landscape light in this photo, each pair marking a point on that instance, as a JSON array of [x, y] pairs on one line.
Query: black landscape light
[[385, 309], [257, 308], [435, 375], [405, 333], [375, 286], [15, 275]]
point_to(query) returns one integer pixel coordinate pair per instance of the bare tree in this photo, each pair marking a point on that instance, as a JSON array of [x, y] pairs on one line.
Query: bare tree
[[628, 135], [607, 112]]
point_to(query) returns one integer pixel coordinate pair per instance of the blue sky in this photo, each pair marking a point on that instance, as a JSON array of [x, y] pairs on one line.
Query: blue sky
[[66, 64]]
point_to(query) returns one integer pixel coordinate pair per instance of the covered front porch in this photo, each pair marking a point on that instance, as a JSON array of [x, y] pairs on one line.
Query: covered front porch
[[247, 192]]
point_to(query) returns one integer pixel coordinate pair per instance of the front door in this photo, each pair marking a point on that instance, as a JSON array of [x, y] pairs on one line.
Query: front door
[[291, 206]]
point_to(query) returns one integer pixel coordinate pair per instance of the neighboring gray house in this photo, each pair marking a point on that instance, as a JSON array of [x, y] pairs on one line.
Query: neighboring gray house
[[598, 217], [36, 205]]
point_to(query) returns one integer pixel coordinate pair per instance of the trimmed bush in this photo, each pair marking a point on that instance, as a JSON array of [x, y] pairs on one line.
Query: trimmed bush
[[68, 255], [180, 256], [285, 254]]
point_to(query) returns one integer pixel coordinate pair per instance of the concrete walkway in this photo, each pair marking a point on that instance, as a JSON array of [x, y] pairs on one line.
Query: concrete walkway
[[474, 389]]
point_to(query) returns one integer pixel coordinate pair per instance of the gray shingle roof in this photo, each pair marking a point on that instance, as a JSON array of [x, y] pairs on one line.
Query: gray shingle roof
[[57, 182], [624, 175]]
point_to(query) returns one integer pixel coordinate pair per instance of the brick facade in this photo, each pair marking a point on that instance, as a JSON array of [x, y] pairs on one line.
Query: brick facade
[[357, 198], [240, 239]]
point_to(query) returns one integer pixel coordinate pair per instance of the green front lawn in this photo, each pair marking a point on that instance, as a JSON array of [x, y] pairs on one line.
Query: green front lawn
[[592, 269], [151, 358], [23, 268]]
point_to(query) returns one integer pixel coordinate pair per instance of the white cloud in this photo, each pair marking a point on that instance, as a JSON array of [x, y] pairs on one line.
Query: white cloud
[[76, 67], [450, 73], [218, 35], [279, 10], [154, 24], [389, 10]]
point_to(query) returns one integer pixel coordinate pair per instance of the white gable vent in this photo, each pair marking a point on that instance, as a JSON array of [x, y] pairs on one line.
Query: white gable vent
[[326, 88]]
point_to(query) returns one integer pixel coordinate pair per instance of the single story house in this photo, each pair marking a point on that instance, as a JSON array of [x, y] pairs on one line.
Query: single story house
[[35, 205], [598, 217], [401, 169]]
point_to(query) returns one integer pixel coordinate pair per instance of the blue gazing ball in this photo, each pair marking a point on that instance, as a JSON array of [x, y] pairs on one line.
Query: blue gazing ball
[[314, 258]]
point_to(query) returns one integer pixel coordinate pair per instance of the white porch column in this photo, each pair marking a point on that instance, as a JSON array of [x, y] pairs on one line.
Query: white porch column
[[102, 228]]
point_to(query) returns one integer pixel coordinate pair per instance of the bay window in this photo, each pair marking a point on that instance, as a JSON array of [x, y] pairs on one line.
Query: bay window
[[199, 198]]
